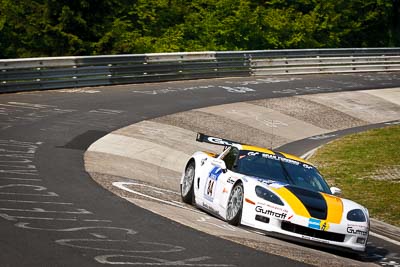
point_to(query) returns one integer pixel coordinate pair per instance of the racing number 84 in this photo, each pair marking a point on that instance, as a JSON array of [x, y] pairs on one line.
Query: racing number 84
[[211, 183], [210, 187]]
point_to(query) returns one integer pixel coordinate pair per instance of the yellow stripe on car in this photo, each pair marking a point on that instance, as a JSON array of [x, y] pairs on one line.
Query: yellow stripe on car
[[213, 155], [296, 205], [335, 208]]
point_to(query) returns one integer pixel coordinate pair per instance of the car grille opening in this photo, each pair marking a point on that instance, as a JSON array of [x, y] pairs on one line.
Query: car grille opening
[[302, 230], [262, 219]]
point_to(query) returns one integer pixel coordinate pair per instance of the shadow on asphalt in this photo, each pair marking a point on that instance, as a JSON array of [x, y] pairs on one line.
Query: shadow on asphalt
[[372, 253]]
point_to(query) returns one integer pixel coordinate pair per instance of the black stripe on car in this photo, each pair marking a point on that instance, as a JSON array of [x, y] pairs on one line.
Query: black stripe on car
[[313, 201]]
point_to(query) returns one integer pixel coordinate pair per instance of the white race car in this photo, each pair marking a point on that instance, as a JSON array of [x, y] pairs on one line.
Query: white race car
[[274, 192]]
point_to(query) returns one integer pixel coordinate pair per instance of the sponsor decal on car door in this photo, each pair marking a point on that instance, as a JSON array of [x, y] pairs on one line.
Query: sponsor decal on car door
[[211, 184]]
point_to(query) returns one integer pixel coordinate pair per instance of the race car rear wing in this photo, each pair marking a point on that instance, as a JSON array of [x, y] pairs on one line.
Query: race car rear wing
[[215, 140]]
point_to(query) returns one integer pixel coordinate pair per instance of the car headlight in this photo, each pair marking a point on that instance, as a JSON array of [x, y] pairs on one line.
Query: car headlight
[[356, 215], [263, 193]]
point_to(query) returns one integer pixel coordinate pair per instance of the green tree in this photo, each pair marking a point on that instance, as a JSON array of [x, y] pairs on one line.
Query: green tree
[[86, 27]]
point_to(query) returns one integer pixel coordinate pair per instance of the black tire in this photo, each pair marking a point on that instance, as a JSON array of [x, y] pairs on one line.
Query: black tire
[[187, 186], [235, 205]]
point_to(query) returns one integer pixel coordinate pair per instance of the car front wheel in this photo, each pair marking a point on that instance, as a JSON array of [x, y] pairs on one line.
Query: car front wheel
[[235, 205], [187, 190]]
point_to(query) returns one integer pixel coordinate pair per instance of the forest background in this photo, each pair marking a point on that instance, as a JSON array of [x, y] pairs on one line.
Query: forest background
[[31, 28]]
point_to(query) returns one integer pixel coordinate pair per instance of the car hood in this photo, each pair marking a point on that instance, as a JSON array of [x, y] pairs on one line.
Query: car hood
[[313, 201], [308, 203]]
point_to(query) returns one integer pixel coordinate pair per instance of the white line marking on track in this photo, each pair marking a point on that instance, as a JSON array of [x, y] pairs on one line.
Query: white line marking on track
[[309, 153], [14, 218], [49, 194], [20, 179], [17, 106], [163, 248], [392, 123], [151, 261], [107, 111], [21, 155], [17, 161], [25, 225], [397, 243], [30, 105], [78, 211], [122, 185], [34, 188], [89, 220], [17, 166], [156, 189], [322, 136], [220, 224], [98, 235], [22, 172], [35, 202]]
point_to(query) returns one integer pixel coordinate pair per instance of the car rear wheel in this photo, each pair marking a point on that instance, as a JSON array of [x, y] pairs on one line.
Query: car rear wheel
[[235, 205], [187, 189]]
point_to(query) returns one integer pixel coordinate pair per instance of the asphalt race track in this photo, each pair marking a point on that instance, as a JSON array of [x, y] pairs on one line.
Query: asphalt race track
[[53, 214]]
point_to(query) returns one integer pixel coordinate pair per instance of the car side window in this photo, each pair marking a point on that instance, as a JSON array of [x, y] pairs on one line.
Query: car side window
[[230, 158]]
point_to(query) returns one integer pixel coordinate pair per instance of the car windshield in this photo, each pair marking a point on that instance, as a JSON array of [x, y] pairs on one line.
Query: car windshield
[[284, 170]]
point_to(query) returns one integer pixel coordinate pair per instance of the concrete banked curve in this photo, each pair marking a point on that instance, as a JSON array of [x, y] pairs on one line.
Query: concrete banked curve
[[152, 154]]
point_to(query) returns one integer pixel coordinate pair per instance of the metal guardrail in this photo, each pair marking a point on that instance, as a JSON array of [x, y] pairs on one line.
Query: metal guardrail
[[67, 72], [325, 65]]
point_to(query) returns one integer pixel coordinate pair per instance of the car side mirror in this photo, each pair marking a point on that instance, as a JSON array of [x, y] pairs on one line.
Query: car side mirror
[[219, 163], [336, 191]]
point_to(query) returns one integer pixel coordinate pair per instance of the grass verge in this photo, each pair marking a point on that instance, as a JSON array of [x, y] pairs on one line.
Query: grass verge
[[366, 166]]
